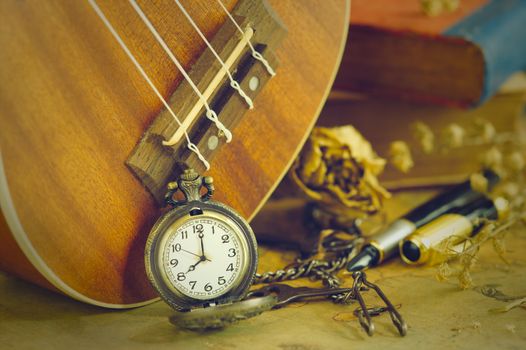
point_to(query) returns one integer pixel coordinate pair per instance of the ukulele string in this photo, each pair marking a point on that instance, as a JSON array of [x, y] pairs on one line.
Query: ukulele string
[[117, 37], [233, 83], [210, 114], [257, 55]]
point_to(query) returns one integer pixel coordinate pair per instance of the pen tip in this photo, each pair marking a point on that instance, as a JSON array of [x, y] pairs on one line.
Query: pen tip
[[366, 258]]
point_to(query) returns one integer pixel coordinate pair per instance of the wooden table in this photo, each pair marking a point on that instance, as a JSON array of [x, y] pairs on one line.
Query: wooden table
[[439, 314]]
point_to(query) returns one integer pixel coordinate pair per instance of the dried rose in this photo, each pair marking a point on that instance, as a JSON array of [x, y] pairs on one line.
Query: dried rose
[[337, 165]]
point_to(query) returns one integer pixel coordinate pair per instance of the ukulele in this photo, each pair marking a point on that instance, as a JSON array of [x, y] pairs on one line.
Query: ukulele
[[101, 102]]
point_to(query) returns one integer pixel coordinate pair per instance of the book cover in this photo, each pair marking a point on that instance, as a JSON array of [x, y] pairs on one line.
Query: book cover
[[458, 58]]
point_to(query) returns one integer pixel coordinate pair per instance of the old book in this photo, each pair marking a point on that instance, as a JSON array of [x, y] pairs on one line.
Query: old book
[[458, 58]]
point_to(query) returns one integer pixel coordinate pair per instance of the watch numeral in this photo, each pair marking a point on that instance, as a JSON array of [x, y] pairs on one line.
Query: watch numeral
[[221, 280], [184, 235], [208, 287], [231, 252], [176, 248], [193, 283], [225, 238], [181, 276], [213, 230], [230, 267], [198, 228], [174, 262]]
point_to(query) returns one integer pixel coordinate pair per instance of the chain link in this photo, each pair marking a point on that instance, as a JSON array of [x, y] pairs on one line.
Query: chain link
[[336, 255], [324, 270]]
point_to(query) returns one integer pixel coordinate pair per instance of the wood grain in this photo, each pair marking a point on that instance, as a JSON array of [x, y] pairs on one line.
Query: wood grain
[[72, 107], [154, 164]]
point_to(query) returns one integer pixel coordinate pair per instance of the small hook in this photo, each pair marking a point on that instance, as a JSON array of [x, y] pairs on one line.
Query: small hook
[[364, 314]]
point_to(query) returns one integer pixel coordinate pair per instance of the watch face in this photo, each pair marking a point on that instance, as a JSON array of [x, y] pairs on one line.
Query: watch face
[[202, 257]]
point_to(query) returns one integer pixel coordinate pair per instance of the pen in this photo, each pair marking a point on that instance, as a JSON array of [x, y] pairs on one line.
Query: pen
[[385, 244], [446, 236]]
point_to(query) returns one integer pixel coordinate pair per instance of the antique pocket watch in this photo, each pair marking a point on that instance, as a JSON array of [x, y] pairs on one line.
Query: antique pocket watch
[[201, 253]]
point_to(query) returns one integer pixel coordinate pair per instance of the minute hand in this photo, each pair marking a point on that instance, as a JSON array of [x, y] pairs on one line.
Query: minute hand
[[202, 245], [189, 252]]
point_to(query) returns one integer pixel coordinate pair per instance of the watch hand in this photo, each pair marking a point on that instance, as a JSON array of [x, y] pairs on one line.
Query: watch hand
[[201, 259], [203, 256], [192, 267], [186, 251], [202, 244]]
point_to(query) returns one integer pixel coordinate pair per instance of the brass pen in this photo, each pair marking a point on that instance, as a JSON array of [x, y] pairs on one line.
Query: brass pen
[[447, 235], [385, 244]]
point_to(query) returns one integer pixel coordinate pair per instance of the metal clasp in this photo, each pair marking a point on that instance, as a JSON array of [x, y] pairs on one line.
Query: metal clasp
[[190, 184]]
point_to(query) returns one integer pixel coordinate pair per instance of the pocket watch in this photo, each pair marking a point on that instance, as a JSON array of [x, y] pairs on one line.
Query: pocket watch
[[201, 253]]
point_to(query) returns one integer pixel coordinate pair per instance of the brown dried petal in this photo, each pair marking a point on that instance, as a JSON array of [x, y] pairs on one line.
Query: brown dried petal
[[311, 159], [401, 156], [479, 182], [317, 178], [468, 261], [425, 136], [454, 135], [493, 159], [451, 5], [432, 8], [486, 130], [444, 272], [500, 247], [515, 161], [465, 280]]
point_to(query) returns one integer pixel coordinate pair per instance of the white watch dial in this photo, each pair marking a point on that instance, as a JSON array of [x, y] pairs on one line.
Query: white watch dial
[[203, 258]]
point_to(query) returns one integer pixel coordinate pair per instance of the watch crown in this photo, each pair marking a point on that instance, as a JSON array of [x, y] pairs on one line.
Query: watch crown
[[189, 175], [190, 183]]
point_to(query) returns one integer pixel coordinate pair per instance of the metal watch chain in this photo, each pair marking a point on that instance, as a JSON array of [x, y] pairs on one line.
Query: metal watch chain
[[325, 270]]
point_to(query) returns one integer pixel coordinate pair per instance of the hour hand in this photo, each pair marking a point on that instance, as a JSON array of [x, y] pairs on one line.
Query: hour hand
[[201, 259], [192, 267]]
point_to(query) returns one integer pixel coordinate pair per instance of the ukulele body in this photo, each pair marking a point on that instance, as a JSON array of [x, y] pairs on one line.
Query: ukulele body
[[73, 107]]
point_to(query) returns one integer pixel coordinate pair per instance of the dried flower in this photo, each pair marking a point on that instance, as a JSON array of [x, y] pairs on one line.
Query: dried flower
[[401, 156], [468, 260], [485, 130], [454, 135], [444, 272], [479, 182], [493, 159], [485, 232], [451, 5], [432, 8], [515, 161], [339, 165], [425, 136], [510, 190], [500, 247], [465, 280]]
